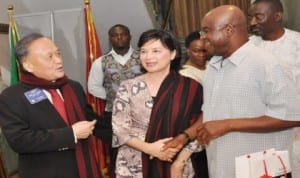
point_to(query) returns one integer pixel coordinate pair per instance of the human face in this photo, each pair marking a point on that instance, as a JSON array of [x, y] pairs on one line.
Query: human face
[[44, 60], [119, 38], [197, 53], [155, 57], [261, 19], [214, 36]]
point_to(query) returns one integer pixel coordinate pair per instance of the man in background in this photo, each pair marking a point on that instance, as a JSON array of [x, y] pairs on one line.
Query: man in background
[[121, 63], [266, 24]]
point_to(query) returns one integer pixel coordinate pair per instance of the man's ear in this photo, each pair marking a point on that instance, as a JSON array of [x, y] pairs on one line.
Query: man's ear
[[27, 66], [278, 16], [229, 29]]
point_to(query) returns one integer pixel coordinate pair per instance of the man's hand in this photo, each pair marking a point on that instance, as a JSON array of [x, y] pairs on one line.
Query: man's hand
[[211, 130], [83, 129], [178, 142]]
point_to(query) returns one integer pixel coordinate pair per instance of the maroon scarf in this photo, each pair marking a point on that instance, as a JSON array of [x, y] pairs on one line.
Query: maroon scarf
[[176, 106], [87, 166]]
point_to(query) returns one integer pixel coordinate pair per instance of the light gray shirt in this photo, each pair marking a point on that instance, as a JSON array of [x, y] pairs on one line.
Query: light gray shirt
[[249, 84]]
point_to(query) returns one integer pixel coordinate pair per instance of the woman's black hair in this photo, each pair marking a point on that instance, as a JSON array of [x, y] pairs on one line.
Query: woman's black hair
[[167, 39]]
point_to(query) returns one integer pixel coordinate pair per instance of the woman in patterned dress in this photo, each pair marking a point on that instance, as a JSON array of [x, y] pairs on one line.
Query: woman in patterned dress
[[151, 108]]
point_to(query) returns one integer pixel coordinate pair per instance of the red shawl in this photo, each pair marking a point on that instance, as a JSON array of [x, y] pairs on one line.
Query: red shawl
[[176, 106]]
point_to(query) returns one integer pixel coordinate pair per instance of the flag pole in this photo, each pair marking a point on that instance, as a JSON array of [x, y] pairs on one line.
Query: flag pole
[[10, 12], [93, 51], [13, 39]]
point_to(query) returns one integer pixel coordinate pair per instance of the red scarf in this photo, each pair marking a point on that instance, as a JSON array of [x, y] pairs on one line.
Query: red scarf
[[87, 166]]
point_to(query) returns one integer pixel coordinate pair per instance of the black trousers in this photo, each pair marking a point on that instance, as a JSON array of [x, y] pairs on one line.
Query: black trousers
[[112, 151], [200, 164]]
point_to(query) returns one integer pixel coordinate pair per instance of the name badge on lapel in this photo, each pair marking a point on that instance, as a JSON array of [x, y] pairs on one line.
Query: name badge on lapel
[[35, 95]]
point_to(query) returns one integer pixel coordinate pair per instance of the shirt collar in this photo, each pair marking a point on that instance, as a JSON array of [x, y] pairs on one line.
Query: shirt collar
[[115, 54], [236, 58]]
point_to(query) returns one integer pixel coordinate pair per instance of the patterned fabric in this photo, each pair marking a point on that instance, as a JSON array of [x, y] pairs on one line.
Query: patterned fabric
[[250, 83], [287, 51], [131, 118], [115, 72]]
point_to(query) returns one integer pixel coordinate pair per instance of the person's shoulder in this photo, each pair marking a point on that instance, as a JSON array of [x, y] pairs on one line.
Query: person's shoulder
[[290, 31], [100, 58], [259, 55], [135, 53], [74, 83], [292, 35], [15, 92], [187, 77]]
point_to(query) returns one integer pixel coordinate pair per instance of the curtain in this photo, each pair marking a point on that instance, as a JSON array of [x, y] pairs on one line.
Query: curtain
[[187, 14]]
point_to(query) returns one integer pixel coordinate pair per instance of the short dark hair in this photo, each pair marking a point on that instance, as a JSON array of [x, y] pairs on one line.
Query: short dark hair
[[121, 26], [167, 39], [276, 4], [21, 49], [191, 37]]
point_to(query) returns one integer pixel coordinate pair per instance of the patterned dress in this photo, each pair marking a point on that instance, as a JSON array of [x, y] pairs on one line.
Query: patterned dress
[[131, 114]]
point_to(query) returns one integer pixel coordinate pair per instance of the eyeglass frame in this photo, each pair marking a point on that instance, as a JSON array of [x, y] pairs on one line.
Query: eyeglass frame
[[203, 32]]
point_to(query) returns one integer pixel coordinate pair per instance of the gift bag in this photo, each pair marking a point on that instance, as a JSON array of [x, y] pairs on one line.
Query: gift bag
[[264, 164]]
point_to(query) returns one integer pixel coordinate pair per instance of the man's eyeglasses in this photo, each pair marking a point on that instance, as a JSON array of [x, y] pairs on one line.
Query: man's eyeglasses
[[207, 30]]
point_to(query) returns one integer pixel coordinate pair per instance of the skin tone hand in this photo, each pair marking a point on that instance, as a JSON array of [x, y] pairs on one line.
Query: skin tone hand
[[262, 124], [212, 130], [178, 165], [180, 140], [83, 129], [177, 143], [155, 150]]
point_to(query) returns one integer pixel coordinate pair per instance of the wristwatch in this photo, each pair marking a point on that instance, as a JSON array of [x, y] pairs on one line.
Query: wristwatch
[[186, 135]]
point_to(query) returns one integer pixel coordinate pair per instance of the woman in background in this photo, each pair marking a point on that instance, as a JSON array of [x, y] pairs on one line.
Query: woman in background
[[196, 63]]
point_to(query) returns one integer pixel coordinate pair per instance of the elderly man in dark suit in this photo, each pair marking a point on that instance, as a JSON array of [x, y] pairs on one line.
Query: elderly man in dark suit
[[52, 142]]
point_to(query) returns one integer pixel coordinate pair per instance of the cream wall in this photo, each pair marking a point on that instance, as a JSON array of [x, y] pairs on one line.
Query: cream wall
[[293, 12], [132, 13], [4, 58]]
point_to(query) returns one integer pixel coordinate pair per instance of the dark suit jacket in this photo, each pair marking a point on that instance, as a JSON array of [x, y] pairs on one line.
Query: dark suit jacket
[[39, 135]]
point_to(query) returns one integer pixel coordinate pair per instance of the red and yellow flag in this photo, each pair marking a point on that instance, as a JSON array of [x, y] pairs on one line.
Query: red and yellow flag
[[93, 51], [13, 39]]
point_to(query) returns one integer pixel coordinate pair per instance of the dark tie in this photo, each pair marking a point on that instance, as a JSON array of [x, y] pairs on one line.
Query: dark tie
[[59, 105]]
